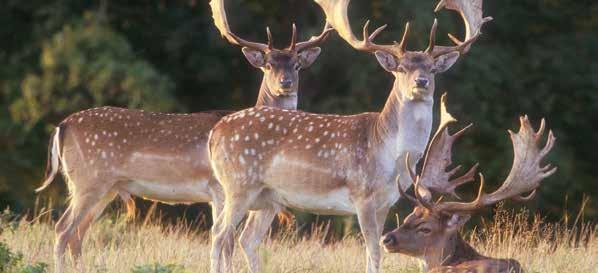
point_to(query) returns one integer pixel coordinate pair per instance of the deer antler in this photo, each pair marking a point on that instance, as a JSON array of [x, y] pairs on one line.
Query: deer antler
[[219, 15], [526, 173], [438, 158], [472, 14], [525, 176], [313, 42], [336, 14]]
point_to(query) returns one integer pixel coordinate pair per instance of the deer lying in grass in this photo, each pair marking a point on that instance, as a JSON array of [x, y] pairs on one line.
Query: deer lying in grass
[[108, 151], [430, 232]]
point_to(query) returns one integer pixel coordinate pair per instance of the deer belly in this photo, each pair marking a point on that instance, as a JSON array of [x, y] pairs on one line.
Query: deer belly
[[335, 202], [170, 192]]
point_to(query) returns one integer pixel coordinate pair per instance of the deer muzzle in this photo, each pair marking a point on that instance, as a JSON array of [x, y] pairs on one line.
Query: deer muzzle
[[389, 243]]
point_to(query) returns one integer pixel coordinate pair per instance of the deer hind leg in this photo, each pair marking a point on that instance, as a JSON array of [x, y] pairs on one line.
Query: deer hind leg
[[367, 217], [235, 208], [255, 228], [76, 241], [217, 203], [80, 206]]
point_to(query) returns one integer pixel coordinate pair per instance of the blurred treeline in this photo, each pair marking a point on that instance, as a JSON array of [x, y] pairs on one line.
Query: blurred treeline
[[538, 57]]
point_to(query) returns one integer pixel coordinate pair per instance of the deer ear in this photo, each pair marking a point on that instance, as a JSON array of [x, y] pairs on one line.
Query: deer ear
[[387, 60], [308, 57], [255, 57], [456, 222], [444, 62]]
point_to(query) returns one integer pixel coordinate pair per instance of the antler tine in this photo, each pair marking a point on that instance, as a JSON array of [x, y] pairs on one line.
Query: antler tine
[[432, 40], [316, 40], [420, 199], [411, 174], [270, 40], [293, 38], [402, 193], [336, 15], [219, 15], [526, 172], [403, 44], [472, 14]]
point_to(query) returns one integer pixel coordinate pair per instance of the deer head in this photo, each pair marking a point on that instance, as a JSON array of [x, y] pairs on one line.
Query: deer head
[[280, 66], [428, 230], [414, 70]]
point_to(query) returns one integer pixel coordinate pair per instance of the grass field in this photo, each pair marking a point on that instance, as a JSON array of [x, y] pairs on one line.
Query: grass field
[[115, 246]]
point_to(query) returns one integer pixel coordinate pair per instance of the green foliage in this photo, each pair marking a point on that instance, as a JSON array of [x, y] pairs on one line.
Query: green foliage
[[13, 262], [85, 64], [88, 64], [158, 268]]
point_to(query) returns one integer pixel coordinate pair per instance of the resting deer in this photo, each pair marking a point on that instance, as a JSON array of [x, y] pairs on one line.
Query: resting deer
[[430, 232], [267, 158], [108, 151]]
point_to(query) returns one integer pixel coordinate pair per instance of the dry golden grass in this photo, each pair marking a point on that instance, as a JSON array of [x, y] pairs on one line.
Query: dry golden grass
[[114, 246]]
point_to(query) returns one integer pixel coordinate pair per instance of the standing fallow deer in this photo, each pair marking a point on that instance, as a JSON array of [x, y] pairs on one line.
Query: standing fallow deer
[[108, 151], [431, 231], [266, 158]]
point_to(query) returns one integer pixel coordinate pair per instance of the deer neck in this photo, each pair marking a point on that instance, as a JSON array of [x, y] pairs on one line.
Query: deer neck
[[404, 125], [266, 98], [455, 251]]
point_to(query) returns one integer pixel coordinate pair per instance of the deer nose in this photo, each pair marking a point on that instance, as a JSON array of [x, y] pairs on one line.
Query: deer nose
[[389, 239], [421, 82], [286, 83]]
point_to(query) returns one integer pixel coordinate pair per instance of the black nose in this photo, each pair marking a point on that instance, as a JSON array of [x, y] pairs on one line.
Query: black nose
[[389, 239], [286, 83], [421, 82]]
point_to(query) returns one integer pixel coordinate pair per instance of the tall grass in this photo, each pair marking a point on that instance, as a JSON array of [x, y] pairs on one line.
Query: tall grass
[[113, 245]]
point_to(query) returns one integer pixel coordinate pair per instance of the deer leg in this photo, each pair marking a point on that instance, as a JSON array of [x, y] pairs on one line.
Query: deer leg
[[60, 226], [367, 217], [255, 228], [217, 202], [76, 241], [81, 205], [235, 208]]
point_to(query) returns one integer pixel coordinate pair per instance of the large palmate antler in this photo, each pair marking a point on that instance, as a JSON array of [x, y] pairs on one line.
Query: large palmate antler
[[472, 14], [525, 176], [336, 14], [219, 15], [526, 172]]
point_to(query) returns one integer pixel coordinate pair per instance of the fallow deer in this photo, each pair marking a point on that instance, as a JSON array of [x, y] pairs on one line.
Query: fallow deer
[[266, 158], [431, 231], [108, 151]]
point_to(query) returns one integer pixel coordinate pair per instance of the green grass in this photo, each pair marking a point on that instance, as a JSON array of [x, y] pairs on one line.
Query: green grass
[[115, 246]]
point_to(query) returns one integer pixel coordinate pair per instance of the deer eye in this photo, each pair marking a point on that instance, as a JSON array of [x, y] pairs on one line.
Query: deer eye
[[424, 230], [297, 66]]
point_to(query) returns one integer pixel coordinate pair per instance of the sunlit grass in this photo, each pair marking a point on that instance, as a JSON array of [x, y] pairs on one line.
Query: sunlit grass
[[115, 246]]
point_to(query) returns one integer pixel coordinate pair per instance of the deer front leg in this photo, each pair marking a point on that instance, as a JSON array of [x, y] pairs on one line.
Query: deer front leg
[[367, 215]]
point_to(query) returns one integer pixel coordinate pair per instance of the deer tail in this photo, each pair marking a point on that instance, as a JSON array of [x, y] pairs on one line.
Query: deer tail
[[53, 161]]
